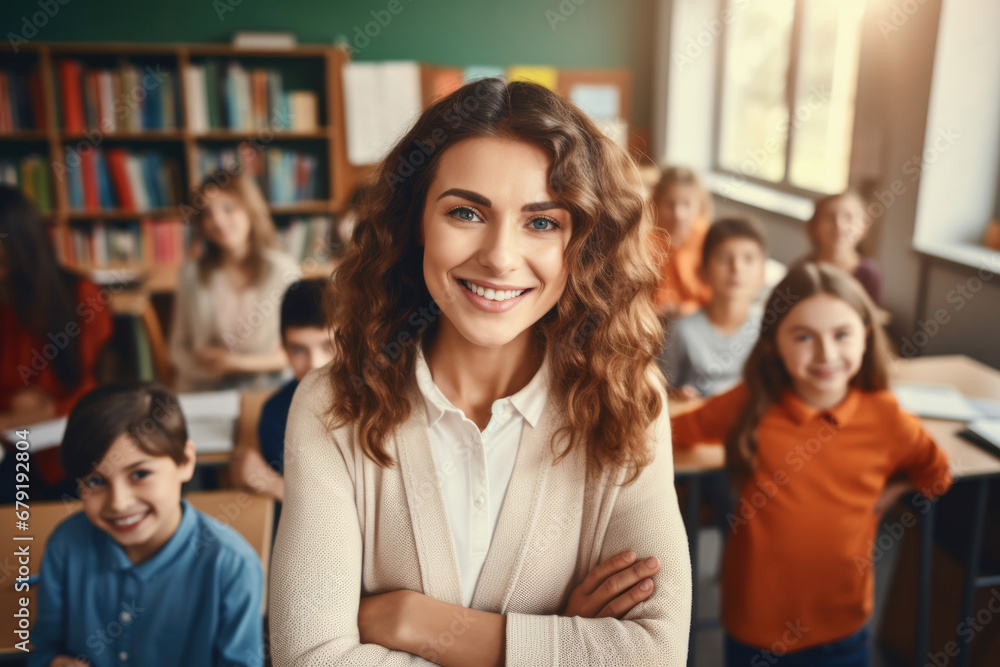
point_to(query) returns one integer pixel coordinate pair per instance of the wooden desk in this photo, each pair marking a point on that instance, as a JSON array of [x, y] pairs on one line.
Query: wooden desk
[[967, 462]]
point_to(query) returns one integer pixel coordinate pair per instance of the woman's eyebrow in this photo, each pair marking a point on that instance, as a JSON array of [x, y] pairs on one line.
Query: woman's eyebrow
[[483, 201], [467, 194]]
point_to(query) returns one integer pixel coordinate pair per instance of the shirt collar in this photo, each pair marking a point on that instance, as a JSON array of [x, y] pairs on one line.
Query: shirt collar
[[529, 401], [183, 538], [801, 412]]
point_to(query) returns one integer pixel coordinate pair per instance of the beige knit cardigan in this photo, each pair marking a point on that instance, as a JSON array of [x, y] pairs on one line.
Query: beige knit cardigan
[[350, 529]]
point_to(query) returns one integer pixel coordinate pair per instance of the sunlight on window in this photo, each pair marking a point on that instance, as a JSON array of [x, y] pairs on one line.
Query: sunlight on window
[[754, 109], [823, 117], [760, 122]]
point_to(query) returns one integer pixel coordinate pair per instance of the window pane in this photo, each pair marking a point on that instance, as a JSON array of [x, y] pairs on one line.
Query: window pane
[[754, 117], [823, 117]]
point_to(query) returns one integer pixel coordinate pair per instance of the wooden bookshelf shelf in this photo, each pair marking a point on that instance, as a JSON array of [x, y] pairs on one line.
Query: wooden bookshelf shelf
[[25, 135], [338, 176]]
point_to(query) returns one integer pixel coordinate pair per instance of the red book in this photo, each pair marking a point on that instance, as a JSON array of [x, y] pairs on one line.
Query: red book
[[37, 100], [6, 124], [91, 197], [71, 94], [117, 160]]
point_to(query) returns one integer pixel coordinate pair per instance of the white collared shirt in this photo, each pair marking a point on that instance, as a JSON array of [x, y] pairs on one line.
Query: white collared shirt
[[475, 466]]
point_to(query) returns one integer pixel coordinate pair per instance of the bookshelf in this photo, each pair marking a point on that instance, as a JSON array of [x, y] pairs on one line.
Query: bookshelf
[[171, 138]]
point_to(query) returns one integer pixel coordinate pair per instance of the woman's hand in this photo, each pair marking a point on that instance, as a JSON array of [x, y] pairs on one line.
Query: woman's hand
[[613, 587], [381, 619]]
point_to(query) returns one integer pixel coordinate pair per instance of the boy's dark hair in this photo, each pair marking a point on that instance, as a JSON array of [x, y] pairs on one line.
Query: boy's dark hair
[[732, 228], [302, 305], [148, 412]]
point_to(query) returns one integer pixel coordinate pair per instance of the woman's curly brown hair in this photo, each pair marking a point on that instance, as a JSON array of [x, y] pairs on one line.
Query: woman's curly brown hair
[[601, 337]]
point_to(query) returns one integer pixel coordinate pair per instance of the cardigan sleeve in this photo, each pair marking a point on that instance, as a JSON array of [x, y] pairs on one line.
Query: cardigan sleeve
[[315, 588], [645, 518]]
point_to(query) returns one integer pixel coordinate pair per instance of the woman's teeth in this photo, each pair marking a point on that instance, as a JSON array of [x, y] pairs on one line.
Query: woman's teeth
[[490, 293]]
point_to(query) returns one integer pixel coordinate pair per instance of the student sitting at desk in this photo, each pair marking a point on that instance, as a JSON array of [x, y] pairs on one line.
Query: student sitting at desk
[[307, 343], [53, 324], [225, 331], [705, 351], [815, 444], [183, 588]]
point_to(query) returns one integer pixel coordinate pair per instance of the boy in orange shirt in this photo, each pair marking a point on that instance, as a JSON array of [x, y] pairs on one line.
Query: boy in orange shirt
[[683, 209]]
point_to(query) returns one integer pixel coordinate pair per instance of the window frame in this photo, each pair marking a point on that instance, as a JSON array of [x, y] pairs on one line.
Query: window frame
[[791, 88]]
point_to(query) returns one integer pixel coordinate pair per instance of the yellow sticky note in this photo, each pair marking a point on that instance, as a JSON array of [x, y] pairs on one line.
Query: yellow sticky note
[[545, 76]]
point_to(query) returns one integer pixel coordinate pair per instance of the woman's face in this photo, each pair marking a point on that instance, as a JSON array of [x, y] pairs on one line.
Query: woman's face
[[491, 224], [225, 222]]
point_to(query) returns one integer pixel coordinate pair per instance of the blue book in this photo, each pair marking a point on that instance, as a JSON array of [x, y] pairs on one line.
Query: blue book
[[75, 180], [105, 194]]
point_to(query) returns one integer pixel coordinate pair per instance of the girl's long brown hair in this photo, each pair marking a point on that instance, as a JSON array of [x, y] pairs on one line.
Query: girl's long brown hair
[[765, 375], [603, 333], [244, 190]]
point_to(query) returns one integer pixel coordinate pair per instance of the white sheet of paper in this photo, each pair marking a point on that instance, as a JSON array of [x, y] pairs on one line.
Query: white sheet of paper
[[935, 401], [210, 404], [987, 429], [41, 436], [381, 102], [212, 435]]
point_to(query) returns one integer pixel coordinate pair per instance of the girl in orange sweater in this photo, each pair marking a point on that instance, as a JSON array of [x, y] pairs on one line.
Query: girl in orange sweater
[[817, 447]]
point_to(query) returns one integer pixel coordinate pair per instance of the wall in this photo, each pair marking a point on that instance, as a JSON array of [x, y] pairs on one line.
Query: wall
[[565, 33]]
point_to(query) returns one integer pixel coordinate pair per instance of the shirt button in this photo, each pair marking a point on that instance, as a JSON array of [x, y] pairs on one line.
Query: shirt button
[[479, 501], [126, 617], [123, 656]]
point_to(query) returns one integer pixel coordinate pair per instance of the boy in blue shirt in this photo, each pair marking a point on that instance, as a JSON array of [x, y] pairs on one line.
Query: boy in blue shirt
[[307, 343], [140, 577]]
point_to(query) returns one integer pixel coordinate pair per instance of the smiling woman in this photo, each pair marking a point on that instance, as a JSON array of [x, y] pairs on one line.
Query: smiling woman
[[483, 475]]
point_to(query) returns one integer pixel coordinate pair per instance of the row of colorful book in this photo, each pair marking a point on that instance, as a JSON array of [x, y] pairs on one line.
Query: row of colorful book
[[307, 238], [229, 96], [135, 242], [126, 98], [22, 106], [31, 174], [285, 177], [122, 180]]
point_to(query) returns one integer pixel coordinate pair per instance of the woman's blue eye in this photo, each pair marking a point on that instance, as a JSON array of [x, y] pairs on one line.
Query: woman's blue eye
[[538, 223], [464, 213], [802, 337], [93, 482], [842, 335], [139, 474]]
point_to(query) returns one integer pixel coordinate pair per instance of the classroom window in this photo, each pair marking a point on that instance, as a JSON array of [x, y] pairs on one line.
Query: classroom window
[[788, 79]]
